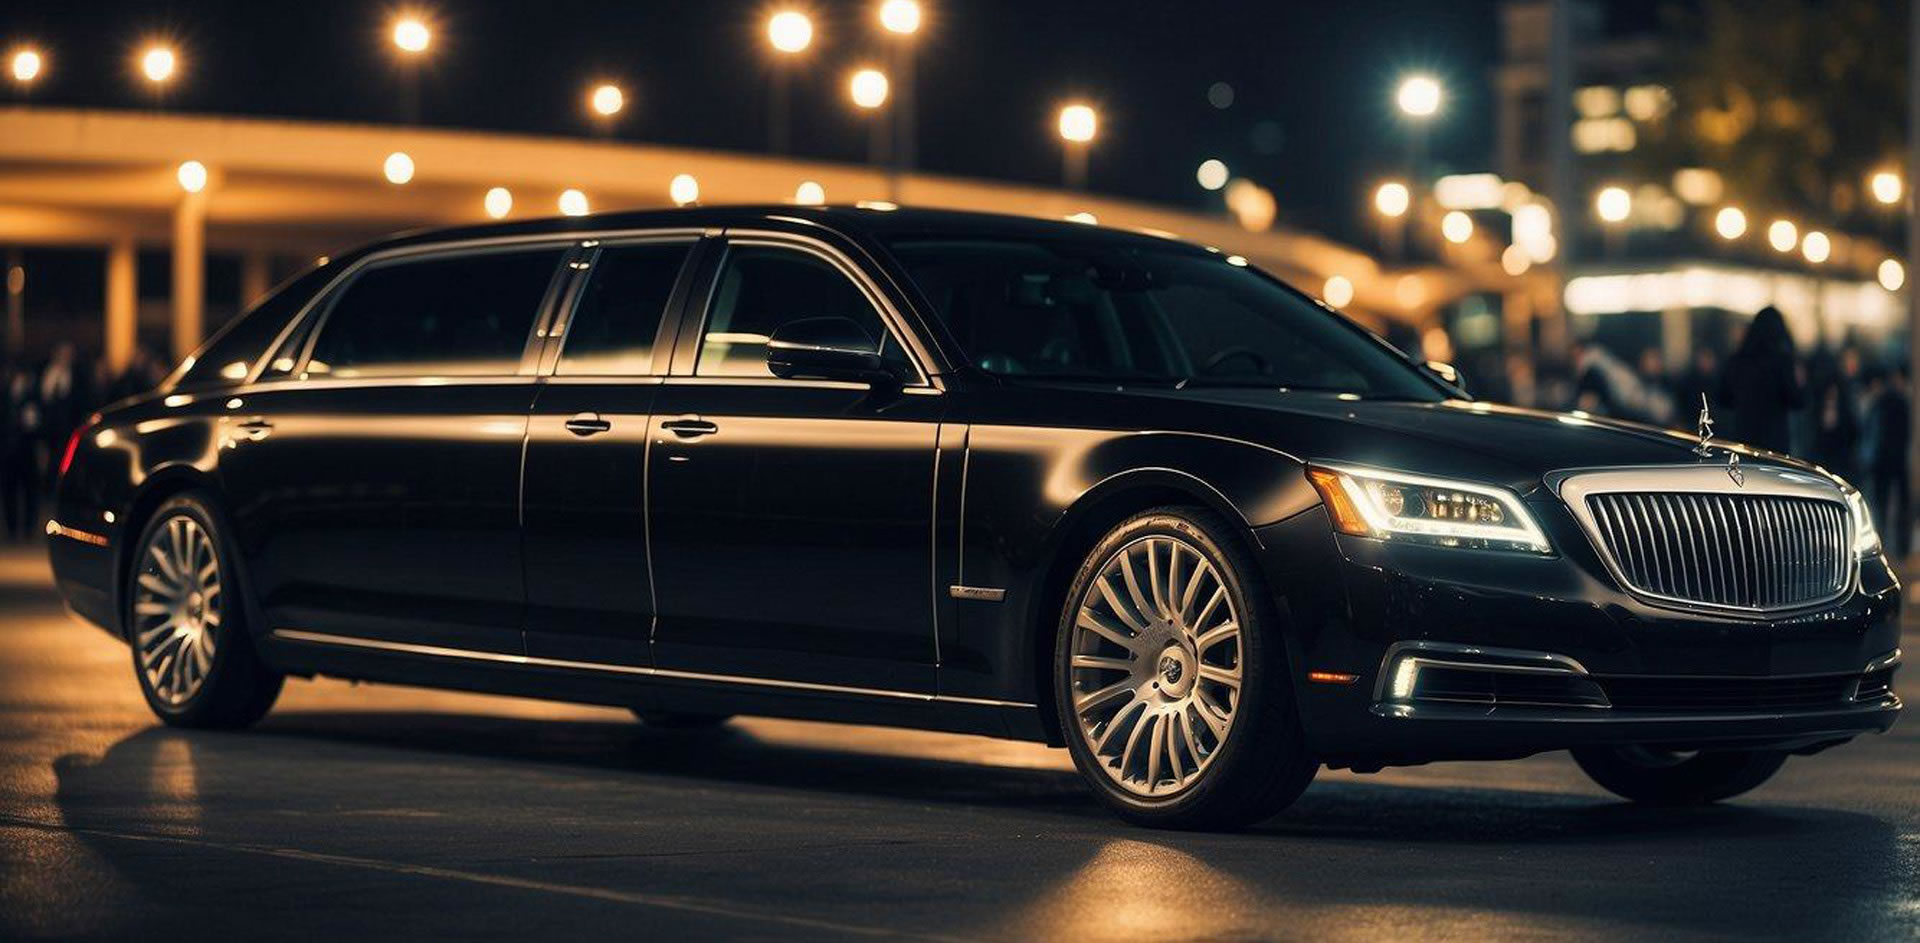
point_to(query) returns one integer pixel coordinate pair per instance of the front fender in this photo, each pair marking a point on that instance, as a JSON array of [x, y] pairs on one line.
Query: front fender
[[1035, 499]]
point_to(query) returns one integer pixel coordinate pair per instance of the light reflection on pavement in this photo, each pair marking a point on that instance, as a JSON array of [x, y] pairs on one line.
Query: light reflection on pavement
[[376, 811]]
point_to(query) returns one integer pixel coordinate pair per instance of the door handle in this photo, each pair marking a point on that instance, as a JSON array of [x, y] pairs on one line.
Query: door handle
[[690, 427], [586, 424], [254, 429]]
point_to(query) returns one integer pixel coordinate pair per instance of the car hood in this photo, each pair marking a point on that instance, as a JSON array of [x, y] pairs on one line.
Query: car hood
[[1480, 441]]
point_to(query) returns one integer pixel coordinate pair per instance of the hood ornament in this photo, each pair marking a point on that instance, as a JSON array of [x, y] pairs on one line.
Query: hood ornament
[[1705, 447]]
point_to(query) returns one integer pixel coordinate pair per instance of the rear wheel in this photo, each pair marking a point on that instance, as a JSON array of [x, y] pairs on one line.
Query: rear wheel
[[1667, 777], [187, 626], [1171, 678]]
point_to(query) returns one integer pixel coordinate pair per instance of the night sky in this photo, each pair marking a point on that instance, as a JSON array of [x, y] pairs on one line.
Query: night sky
[[1311, 116]]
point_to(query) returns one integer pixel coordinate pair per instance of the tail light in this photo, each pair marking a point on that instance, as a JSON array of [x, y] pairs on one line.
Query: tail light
[[73, 445]]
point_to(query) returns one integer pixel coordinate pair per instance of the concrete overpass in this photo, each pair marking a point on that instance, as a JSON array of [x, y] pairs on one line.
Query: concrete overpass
[[110, 180]]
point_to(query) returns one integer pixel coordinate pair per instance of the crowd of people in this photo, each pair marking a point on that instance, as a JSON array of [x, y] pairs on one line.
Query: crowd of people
[[1836, 409], [43, 404]]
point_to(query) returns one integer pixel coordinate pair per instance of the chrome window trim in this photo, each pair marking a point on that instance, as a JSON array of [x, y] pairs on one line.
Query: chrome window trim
[[535, 661], [1575, 486], [891, 317], [325, 295], [554, 334]]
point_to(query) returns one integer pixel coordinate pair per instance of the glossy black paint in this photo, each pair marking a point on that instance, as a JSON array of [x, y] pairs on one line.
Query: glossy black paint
[[787, 546]]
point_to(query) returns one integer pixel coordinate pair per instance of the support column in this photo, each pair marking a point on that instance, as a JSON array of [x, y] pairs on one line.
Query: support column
[[123, 300], [256, 277], [189, 274], [16, 304]]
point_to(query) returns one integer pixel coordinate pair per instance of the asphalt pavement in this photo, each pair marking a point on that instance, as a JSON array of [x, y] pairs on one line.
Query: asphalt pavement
[[374, 812]]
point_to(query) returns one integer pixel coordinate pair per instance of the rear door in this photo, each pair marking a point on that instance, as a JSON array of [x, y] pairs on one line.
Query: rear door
[[791, 520], [589, 585], [377, 481]]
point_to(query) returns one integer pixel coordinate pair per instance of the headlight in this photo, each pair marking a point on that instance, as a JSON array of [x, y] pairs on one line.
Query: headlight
[[1866, 540], [1389, 505]]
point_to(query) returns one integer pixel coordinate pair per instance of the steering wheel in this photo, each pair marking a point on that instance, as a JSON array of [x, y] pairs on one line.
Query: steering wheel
[[1255, 359]]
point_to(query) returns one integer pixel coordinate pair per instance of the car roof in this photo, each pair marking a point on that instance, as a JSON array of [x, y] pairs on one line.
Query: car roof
[[882, 221]]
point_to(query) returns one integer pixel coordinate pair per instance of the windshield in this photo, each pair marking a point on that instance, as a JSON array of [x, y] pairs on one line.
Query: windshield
[[1110, 312]]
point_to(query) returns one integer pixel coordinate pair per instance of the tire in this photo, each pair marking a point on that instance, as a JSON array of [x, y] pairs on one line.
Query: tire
[[670, 720], [1165, 655], [1656, 777], [186, 622]]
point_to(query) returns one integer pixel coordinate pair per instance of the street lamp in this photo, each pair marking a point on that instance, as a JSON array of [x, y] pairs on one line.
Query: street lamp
[[158, 64], [1212, 174], [790, 32], [607, 100], [1419, 96], [1816, 247], [573, 203], [25, 65], [1783, 235], [1892, 274], [1886, 186], [1457, 227], [900, 16], [411, 36], [868, 88], [498, 202], [1730, 223], [1613, 204], [192, 176], [901, 21], [1078, 124], [1392, 199], [398, 168], [683, 189]]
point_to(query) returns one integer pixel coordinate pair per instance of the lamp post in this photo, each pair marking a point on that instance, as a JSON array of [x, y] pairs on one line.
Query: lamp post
[[412, 36], [24, 66], [1392, 200], [1419, 98], [1078, 125], [869, 90], [159, 65], [605, 102], [901, 20], [790, 32]]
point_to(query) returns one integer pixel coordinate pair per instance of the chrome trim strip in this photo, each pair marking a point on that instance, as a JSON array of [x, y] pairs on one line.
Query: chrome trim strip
[[979, 593], [1462, 655], [1648, 483], [535, 661], [57, 529]]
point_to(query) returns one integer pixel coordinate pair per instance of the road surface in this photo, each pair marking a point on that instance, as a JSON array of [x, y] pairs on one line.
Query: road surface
[[371, 812]]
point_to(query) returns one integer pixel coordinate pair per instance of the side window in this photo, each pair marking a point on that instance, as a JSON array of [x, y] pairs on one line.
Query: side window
[[231, 355], [466, 315], [618, 313], [764, 287]]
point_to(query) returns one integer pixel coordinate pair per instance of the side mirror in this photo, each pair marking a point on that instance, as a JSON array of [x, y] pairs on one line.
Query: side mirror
[[1448, 374], [824, 349]]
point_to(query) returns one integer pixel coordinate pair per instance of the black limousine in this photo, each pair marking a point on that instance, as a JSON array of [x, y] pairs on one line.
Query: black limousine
[[1032, 479]]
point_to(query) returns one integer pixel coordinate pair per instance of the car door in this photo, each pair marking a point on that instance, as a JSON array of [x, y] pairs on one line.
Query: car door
[[589, 589], [377, 483], [791, 519]]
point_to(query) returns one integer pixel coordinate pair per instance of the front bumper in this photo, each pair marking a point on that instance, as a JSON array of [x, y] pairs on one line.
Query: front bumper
[[1683, 680]]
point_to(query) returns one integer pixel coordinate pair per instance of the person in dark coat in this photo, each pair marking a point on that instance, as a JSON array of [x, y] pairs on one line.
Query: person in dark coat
[[1762, 385], [19, 452], [1891, 429], [1836, 427]]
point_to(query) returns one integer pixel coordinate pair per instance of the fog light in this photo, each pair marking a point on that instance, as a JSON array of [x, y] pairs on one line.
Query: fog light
[[1404, 675]]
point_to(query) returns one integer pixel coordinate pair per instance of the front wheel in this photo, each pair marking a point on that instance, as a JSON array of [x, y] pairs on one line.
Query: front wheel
[[1667, 777], [1171, 677], [187, 625]]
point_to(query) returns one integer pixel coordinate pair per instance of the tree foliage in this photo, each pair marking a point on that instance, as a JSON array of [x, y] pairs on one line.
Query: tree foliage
[[1794, 102]]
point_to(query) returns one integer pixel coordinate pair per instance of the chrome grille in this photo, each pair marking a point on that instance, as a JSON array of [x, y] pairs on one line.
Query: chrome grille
[[1746, 551]]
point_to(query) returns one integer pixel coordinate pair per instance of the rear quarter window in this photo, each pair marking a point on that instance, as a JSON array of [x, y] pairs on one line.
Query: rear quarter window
[[233, 352]]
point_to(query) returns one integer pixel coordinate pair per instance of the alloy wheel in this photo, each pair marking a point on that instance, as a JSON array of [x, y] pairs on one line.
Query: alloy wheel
[[177, 609], [1156, 665]]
